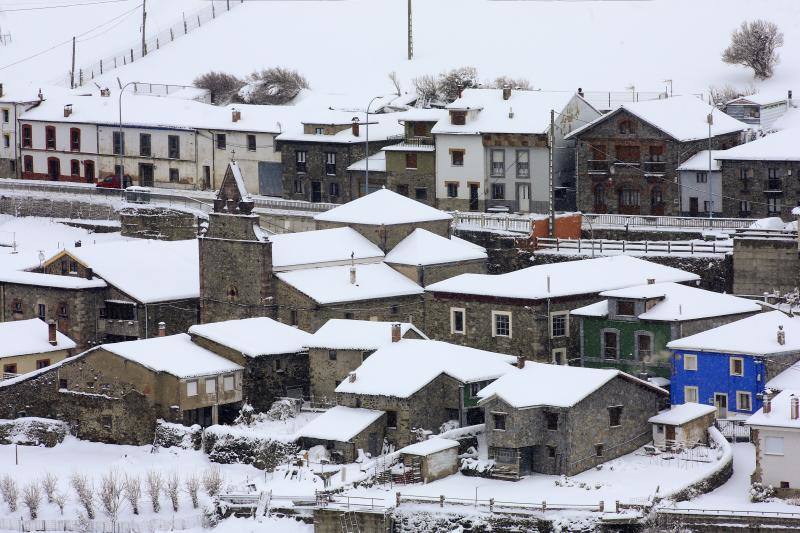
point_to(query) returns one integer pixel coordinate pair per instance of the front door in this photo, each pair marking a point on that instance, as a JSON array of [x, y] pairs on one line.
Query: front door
[[206, 177], [670, 434], [524, 197], [721, 402], [694, 207], [473, 197], [526, 460], [372, 444], [146, 174], [53, 168], [316, 191]]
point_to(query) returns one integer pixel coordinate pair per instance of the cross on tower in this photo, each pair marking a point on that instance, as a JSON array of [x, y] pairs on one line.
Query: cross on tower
[[233, 155]]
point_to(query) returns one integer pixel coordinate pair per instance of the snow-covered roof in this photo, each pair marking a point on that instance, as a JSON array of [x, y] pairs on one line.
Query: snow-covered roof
[[659, 381], [755, 335], [50, 280], [423, 247], [381, 127], [325, 247], [677, 415], [400, 369], [541, 384], [760, 98], [429, 446], [175, 354], [789, 378], [144, 269], [773, 223], [524, 112], [22, 337], [586, 276], [699, 161], [778, 146], [677, 302], [377, 163], [684, 118], [383, 207], [597, 309], [254, 337], [342, 334], [423, 114], [340, 423], [332, 284], [780, 414]]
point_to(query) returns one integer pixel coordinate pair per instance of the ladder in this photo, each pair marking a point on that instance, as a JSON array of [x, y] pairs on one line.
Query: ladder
[[264, 500], [349, 522]]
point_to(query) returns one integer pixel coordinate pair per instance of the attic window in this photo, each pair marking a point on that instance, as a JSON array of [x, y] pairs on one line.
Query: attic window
[[626, 308], [551, 420], [627, 126], [458, 118]]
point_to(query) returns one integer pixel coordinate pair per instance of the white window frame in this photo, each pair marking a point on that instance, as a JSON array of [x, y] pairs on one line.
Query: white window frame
[[191, 388], [495, 314], [730, 366], [774, 450], [744, 394], [213, 383], [695, 392], [559, 351], [603, 344], [565, 314], [690, 357], [453, 330], [229, 383]]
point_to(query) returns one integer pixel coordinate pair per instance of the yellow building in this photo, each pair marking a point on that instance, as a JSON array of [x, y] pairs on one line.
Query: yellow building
[[28, 345]]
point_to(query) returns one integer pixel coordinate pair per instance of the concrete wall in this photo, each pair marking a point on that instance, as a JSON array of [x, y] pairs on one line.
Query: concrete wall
[[158, 223], [413, 180], [757, 189], [426, 275], [765, 265]]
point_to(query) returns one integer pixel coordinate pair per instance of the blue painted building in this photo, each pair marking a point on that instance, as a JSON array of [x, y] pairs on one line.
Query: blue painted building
[[729, 366]]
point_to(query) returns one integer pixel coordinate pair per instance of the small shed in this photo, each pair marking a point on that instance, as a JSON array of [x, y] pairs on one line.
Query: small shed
[[437, 458], [685, 424], [345, 430]]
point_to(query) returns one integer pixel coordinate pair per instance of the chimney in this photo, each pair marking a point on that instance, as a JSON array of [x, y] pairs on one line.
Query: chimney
[[40, 95], [51, 333], [351, 377], [162, 329], [105, 93], [794, 405], [67, 110], [236, 115], [352, 275], [651, 281], [396, 334], [506, 92], [781, 336], [520, 361], [460, 88], [767, 403], [510, 112], [788, 96], [1, 90], [78, 244], [355, 127], [580, 92], [89, 273]]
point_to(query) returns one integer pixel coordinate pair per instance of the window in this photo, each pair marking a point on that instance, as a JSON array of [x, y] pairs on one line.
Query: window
[[7, 140], [145, 145], [690, 394], [458, 118], [629, 197], [5, 116], [627, 126], [599, 195], [772, 173], [174, 175], [774, 205], [474, 389], [251, 143], [744, 401], [702, 177], [319, 131], [402, 189], [332, 355], [27, 136], [211, 386], [644, 345], [785, 485], [615, 416], [745, 174], [10, 368], [598, 450], [41, 363], [411, 161], [689, 361], [744, 208], [118, 142], [278, 365], [457, 321], [610, 344], [228, 383], [501, 324], [656, 154], [348, 316], [50, 137], [523, 164], [41, 311], [62, 383], [551, 420], [53, 167], [394, 309], [421, 193], [17, 305], [391, 419], [191, 388], [498, 164], [334, 188], [551, 452], [559, 324], [300, 161], [457, 158], [737, 366], [498, 191], [63, 311], [660, 428], [298, 186], [27, 163], [293, 317], [626, 307], [330, 163], [499, 421], [222, 141], [773, 445], [452, 189], [503, 455], [173, 147], [75, 139], [106, 421], [706, 206], [419, 129], [629, 154], [75, 167], [656, 197]]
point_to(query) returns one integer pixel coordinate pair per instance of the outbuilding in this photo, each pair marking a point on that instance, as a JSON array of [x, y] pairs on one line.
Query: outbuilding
[[345, 430], [686, 424], [436, 458]]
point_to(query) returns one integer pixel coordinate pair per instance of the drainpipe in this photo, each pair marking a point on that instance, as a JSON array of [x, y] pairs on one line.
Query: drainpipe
[[461, 408]]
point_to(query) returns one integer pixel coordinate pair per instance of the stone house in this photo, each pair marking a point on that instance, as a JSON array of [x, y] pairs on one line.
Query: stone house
[[527, 312], [683, 425], [730, 366], [273, 355], [759, 110], [630, 329], [436, 458], [15, 100], [315, 161], [775, 431], [700, 181], [28, 345], [493, 149], [340, 346], [536, 424], [344, 431], [758, 178], [421, 384], [627, 159]]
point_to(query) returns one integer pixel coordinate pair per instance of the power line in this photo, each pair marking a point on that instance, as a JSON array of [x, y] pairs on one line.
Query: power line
[[39, 8]]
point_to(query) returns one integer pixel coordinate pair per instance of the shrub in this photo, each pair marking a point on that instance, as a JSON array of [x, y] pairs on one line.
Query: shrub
[[272, 86], [753, 45], [222, 86]]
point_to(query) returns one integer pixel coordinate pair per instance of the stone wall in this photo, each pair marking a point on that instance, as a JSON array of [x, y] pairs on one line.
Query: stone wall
[[427, 274], [765, 265], [412, 181], [387, 237], [158, 223], [22, 206], [326, 373], [506, 251], [330, 521], [759, 190]]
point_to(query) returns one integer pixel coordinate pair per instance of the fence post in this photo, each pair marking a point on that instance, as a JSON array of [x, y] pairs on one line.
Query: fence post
[[171, 35], [101, 66], [602, 506], [397, 499], [623, 247], [691, 246], [669, 247], [213, 12], [491, 505], [131, 55], [157, 45], [185, 28], [441, 500], [714, 247], [617, 506], [645, 246], [544, 506]]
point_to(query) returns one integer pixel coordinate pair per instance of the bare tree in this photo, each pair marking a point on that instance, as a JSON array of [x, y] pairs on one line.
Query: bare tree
[[50, 486], [133, 491], [273, 86], [173, 489], [222, 86], [111, 495], [451, 83], [754, 45], [85, 492], [60, 499], [521, 84], [153, 483], [10, 492], [212, 481], [192, 484], [32, 498], [725, 93], [427, 87], [396, 82]]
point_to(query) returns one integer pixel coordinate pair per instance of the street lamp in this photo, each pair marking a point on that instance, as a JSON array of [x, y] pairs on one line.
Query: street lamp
[[121, 172], [366, 144]]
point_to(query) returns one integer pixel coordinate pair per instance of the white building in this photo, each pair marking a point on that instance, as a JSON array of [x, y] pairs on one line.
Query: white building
[[700, 179], [14, 100], [493, 149], [777, 439], [761, 110]]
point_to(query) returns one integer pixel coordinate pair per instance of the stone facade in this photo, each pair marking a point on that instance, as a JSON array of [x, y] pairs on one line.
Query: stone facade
[[387, 237], [584, 436], [758, 189], [646, 186], [158, 223], [427, 274], [763, 265], [370, 440]]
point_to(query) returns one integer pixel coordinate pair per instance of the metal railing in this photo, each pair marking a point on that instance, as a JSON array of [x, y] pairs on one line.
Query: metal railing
[[654, 167], [520, 224], [498, 505], [734, 513], [651, 221], [604, 246]]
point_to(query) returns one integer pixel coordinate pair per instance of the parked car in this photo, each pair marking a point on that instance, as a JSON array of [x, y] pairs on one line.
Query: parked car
[[112, 182]]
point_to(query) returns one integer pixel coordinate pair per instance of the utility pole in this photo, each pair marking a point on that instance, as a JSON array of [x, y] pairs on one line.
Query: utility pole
[[144, 26], [708, 178], [72, 70], [551, 181], [410, 33]]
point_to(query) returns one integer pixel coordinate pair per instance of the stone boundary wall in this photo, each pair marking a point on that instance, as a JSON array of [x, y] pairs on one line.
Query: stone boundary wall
[[35, 206]]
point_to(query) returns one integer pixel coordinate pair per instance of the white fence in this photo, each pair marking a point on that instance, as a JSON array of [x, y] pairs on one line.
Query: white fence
[[515, 223], [606, 247], [610, 219]]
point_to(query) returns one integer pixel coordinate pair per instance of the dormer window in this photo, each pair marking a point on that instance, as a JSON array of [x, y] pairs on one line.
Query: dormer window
[[626, 308], [458, 118], [627, 127]]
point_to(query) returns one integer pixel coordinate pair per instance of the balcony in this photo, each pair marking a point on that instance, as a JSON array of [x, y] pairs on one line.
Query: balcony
[[598, 166], [773, 185], [654, 167], [411, 141]]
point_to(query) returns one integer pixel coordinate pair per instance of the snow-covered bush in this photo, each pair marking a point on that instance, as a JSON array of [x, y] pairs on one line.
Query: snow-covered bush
[[449, 425], [761, 493], [754, 45], [212, 481], [32, 498], [476, 468], [10, 492], [31, 431], [222, 86], [192, 485], [132, 487], [725, 93], [451, 83], [246, 415], [520, 84], [169, 434], [50, 486], [229, 447], [282, 410], [173, 489], [153, 484], [85, 492], [272, 86]]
